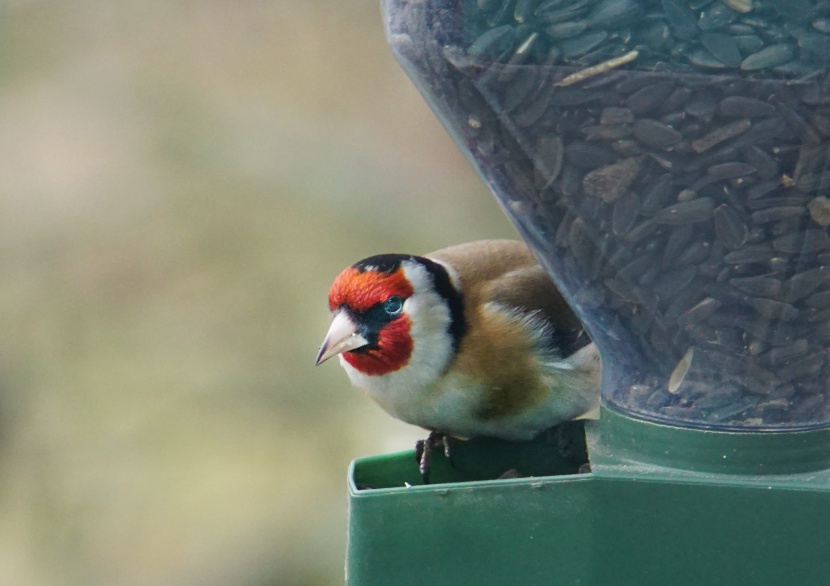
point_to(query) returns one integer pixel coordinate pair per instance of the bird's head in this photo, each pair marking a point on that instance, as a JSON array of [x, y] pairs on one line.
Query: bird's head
[[390, 310]]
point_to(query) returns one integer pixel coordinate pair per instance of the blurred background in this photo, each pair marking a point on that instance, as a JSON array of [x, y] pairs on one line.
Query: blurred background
[[180, 182]]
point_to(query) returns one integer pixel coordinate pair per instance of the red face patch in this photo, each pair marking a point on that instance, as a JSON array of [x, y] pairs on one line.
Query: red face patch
[[361, 290], [393, 350]]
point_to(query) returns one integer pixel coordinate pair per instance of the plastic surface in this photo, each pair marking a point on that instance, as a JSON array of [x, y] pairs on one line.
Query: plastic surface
[[666, 160], [629, 527], [621, 441]]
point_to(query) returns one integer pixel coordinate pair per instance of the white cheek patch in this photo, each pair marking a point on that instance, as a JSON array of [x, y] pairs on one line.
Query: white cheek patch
[[430, 320], [418, 276]]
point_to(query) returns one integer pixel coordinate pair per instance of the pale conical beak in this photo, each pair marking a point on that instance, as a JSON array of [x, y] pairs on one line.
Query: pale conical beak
[[342, 337]]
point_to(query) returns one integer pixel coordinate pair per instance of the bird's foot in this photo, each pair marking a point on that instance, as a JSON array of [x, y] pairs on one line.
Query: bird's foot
[[423, 451], [447, 441]]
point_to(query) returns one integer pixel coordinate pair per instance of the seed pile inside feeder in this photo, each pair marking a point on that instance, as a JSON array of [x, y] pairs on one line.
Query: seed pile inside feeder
[[669, 160]]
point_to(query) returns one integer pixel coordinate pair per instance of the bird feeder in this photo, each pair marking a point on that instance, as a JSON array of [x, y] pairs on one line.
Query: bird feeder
[[668, 162]]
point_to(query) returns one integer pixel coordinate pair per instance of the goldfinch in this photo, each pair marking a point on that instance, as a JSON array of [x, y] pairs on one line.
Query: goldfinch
[[468, 341]]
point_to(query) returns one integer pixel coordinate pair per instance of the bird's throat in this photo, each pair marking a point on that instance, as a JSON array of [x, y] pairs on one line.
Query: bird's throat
[[391, 352]]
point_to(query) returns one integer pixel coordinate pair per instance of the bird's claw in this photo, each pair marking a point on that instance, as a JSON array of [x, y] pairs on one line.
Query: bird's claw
[[423, 451], [423, 460], [419, 450], [446, 440]]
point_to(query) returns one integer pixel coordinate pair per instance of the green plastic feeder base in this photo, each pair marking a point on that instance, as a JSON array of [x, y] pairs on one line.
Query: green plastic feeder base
[[631, 520]]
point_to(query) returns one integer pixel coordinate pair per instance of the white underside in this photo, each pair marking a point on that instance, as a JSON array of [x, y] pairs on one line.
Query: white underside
[[451, 405]]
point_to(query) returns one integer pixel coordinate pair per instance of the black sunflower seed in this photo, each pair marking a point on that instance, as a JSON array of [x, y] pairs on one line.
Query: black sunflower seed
[[772, 309], [579, 240], [641, 231], [520, 88], [746, 107], [553, 11], [703, 105], [804, 242], [773, 214], [730, 230], [488, 5], [687, 212], [676, 244], [658, 194], [723, 47], [768, 57], [649, 97], [818, 300], [798, 124], [524, 10], [501, 16], [588, 155], [681, 19], [675, 281], [570, 180], [790, 199], [804, 283], [492, 42], [550, 154], [626, 211], [763, 131], [607, 132], [696, 253], [730, 170], [749, 43], [749, 254], [793, 10], [716, 16], [815, 316], [758, 286], [784, 354], [622, 289], [567, 30], [633, 270], [700, 311], [578, 46], [615, 13], [763, 188], [765, 163], [656, 134], [803, 368]]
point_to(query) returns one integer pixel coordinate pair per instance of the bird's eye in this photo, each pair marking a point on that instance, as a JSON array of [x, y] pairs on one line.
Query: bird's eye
[[393, 305]]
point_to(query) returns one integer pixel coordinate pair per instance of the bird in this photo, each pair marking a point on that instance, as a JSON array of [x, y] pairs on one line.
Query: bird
[[473, 340]]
